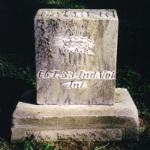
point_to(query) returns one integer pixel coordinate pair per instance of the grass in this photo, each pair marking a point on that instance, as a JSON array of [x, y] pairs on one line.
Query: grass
[[137, 85], [75, 4], [127, 77], [19, 69], [18, 73], [31, 144]]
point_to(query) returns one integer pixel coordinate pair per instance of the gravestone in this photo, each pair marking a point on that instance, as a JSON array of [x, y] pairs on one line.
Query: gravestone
[[76, 56], [76, 74]]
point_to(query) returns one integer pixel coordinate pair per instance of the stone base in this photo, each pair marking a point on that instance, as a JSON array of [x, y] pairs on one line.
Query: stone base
[[82, 122]]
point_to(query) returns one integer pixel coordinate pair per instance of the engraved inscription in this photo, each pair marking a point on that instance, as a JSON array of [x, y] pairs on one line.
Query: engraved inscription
[[83, 13], [80, 134], [110, 13], [82, 74], [75, 85], [74, 44]]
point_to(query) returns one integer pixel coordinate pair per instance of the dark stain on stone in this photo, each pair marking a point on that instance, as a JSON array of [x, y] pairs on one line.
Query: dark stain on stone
[[101, 29], [68, 100], [106, 23]]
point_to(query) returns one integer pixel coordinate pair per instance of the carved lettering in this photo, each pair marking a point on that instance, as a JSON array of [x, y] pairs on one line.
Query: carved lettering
[[82, 74], [109, 13], [105, 13], [41, 74], [81, 14], [75, 85]]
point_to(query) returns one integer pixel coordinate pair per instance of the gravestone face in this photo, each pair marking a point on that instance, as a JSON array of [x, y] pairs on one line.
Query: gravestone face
[[76, 56]]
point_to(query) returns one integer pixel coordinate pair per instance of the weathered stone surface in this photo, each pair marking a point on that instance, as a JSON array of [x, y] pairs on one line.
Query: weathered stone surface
[[88, 122], [76, 56], [79, 134]]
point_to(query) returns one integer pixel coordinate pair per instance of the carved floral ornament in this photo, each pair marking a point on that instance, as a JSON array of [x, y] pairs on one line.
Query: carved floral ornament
[[75, 44]]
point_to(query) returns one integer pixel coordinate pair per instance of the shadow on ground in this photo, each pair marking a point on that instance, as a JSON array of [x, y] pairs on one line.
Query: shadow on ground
[[17, 32], [11, 90]]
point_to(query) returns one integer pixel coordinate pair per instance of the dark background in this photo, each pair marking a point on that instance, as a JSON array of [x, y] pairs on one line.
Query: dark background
[[17, 39], [17, 29]]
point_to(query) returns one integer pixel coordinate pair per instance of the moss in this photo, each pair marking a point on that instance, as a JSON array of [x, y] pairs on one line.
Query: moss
[[117, 98]]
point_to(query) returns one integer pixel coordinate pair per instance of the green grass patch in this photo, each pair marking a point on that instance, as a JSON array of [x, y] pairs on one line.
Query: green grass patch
[[127, 77], [74, 4], [16, 67], [137, 85]]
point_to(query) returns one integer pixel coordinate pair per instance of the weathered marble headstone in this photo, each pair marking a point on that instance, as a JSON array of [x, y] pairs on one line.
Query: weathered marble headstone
[[76, 65], [76, 56]]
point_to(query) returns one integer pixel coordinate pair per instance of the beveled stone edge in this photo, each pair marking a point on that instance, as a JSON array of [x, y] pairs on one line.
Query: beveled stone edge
[[131, 123], [124, 105], [40, 11]]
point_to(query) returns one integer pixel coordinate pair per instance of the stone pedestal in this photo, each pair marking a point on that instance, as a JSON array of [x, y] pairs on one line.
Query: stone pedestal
[[83, 122], [75, 75]]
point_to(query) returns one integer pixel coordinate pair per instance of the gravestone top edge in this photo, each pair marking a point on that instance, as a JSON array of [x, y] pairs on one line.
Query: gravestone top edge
[[110, 14]]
